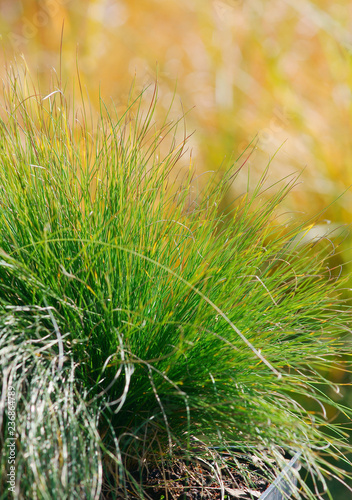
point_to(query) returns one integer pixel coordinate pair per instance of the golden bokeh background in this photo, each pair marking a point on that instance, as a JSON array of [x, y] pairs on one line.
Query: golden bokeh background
[[278, 71]]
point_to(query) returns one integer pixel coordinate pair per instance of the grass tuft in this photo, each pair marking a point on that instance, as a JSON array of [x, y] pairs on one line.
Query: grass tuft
[[137, 318]]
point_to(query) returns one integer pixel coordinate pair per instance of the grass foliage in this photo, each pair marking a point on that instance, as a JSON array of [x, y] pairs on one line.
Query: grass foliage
[[136, 317]]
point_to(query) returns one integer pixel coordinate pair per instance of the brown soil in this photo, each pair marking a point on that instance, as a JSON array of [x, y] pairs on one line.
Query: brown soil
[[234, 475]]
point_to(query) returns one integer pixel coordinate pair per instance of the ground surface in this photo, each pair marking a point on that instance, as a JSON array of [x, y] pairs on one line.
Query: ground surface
[[230, 476]]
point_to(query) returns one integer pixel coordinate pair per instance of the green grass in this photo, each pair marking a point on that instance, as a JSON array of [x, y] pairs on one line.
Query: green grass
[[137, 317]]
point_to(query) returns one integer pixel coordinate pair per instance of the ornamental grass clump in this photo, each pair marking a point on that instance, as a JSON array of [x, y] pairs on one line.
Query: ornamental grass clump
[[139, 323]]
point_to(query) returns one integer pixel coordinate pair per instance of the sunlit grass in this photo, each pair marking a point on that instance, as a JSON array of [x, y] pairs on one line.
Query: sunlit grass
[[135, 316]]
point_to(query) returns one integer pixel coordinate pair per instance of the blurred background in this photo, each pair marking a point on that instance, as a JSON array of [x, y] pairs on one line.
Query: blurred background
[[273, 75]]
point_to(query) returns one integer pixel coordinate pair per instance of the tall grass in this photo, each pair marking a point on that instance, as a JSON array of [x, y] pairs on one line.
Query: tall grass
[[137, 318]]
